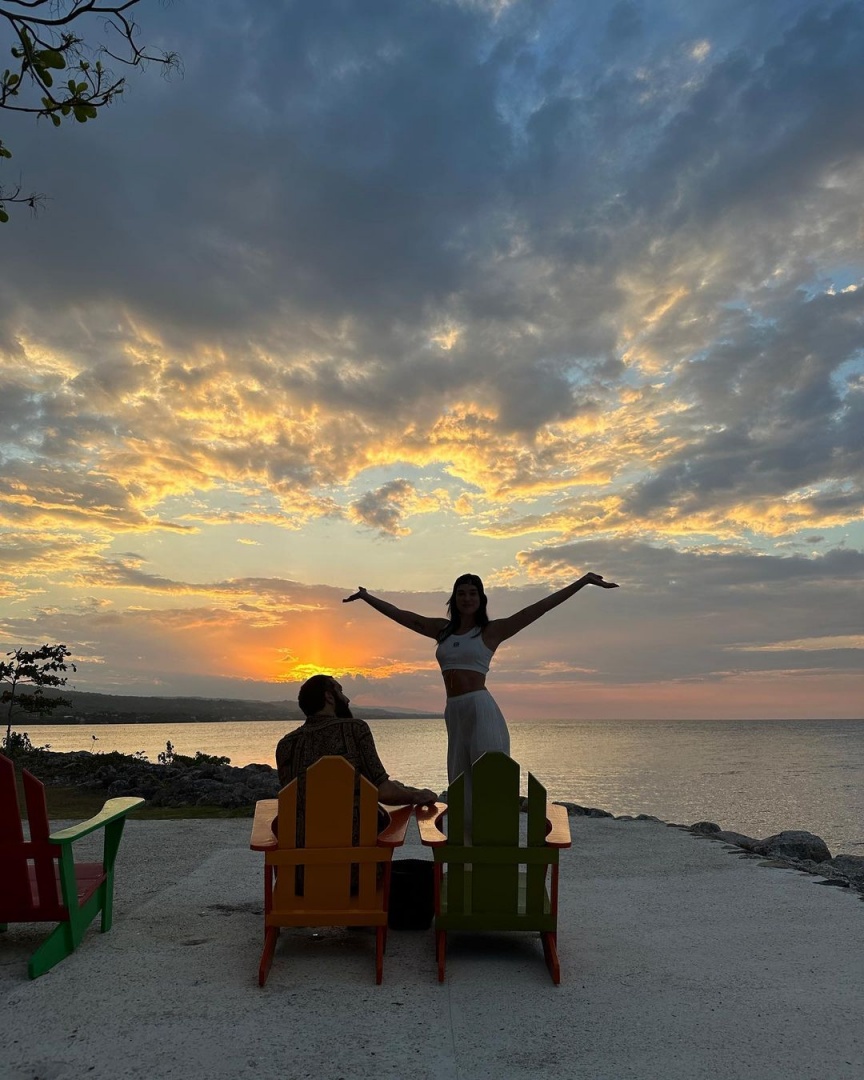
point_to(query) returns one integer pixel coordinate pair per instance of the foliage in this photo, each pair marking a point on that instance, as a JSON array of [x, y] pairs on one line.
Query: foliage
[[59, 75], [18, 742], [168, 756], [35, 669]]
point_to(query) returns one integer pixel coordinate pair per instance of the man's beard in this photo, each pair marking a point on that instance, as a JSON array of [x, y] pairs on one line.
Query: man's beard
[[343, 711]]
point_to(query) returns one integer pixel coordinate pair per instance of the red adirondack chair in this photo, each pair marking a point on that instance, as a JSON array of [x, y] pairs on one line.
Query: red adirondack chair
[[39, 881]]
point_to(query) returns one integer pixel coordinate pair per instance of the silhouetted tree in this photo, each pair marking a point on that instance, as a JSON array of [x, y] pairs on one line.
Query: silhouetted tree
[[58, 74], [35, 669]]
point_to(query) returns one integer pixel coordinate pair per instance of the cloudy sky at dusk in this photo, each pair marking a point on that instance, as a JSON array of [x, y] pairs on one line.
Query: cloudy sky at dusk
[[380, 292]]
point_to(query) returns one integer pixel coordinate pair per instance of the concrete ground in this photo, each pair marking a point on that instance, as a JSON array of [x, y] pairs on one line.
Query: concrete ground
[[679, 960]]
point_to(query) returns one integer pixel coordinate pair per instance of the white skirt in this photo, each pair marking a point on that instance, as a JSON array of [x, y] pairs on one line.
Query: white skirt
[[475, 724]]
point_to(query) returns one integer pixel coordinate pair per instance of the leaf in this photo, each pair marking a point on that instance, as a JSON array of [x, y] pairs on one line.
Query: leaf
[[4, 217], [47, 77], [80, 112], [55, 119], [51, 58]]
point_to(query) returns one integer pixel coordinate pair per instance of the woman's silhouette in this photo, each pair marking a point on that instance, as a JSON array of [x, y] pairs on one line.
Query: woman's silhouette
[[466, 644]]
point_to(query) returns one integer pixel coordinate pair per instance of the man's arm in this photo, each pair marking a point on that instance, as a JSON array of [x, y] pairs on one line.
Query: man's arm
[[420, 624], [393, 793]]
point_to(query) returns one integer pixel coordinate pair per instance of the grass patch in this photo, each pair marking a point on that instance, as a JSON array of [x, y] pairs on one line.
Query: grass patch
[[170, 813], [78, 804]]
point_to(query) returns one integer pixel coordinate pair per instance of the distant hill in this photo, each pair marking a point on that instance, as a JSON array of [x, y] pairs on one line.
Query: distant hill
[[122, 709]]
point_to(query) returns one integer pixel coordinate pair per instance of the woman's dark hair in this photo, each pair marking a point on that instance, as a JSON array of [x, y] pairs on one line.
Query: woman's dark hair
[[481, 617], [310, 697]]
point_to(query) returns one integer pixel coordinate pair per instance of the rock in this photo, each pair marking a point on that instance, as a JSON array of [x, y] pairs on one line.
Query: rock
[[705, 827], [794, 844], [575, 810], [851, 867], [173, 785], [736, 838]]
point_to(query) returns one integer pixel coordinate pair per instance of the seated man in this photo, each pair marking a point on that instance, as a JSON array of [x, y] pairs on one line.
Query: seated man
[[331, 729]]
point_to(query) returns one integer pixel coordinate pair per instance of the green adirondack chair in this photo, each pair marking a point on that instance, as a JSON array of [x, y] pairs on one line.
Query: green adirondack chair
[[39, 881], [493, 882]]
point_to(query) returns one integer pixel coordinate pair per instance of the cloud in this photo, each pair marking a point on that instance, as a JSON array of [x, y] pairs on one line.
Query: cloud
[[385, 508], [537, 276]]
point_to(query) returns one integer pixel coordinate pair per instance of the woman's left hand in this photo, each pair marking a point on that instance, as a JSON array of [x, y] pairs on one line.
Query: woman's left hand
[[597, 579]]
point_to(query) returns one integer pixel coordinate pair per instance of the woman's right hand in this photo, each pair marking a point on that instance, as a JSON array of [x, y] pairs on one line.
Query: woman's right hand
[[359, 595]]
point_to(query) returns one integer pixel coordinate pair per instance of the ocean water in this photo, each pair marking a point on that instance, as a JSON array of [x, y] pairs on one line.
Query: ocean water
[[753, 776]]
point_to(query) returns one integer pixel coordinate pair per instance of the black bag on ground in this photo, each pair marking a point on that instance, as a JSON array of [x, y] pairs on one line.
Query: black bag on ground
[[412, 894]]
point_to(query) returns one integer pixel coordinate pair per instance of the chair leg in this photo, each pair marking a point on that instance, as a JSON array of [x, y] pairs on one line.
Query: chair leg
[[59, 944], [441, 952], [550, 951], [107, 905], [270, 936], [380, 939]]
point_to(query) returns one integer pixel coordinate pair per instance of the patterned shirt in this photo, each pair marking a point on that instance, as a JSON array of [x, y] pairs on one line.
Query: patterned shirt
[[323, 735], [318, 737]]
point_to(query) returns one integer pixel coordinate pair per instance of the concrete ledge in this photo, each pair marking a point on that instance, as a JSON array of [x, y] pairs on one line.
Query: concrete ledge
[[679, 960]]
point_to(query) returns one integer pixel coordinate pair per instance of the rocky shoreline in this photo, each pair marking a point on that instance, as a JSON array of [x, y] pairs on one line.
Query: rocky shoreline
[[203, 781], [793, 849]]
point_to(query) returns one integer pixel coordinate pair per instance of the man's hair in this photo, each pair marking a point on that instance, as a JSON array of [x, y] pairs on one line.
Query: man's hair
[[311, 695]]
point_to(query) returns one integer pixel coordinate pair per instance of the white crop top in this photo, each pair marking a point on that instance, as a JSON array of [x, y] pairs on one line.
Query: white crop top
[[465, 652]]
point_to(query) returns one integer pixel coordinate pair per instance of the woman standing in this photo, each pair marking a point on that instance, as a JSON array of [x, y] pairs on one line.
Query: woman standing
[[466, 644]]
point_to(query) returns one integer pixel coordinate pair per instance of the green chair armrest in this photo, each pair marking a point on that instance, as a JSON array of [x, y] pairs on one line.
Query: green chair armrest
[[428, 818], [111, 811]]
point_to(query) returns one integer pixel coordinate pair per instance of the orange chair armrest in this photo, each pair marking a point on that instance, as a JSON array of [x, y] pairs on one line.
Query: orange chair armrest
[[263, 837], [557, 826], [393, 834], [428, 818]]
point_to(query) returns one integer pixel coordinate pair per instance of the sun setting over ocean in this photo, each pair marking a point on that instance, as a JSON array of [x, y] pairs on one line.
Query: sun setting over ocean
[[412, 290]]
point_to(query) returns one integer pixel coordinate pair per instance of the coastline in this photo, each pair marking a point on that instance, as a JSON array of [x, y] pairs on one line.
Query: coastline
[[206, 782]]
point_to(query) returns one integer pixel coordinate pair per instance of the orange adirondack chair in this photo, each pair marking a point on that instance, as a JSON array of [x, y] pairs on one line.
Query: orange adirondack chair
[[327, 894], [40, 881], [484, 888]]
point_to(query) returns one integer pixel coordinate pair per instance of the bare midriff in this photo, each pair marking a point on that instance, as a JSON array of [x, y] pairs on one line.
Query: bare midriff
[[458, 681]]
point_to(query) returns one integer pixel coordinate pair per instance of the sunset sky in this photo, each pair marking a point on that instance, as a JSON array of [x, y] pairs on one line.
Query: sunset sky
[[383, 291]]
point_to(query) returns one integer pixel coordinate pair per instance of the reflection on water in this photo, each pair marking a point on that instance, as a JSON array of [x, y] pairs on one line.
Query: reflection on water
[[757, 777]]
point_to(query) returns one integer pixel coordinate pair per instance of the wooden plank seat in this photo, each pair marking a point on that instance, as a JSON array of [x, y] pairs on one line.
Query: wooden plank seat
[[40, 879], [330, 875], [485, 880]]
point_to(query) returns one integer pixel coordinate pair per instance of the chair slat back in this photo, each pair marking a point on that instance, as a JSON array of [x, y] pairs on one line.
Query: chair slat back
[[494, 817], [47, 886], [495, 806], [339, 810], [39, 898], [10, 813], [535, 893]]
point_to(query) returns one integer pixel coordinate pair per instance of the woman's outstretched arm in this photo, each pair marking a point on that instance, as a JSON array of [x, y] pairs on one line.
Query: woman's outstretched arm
[[501, 629], [420, 624]]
